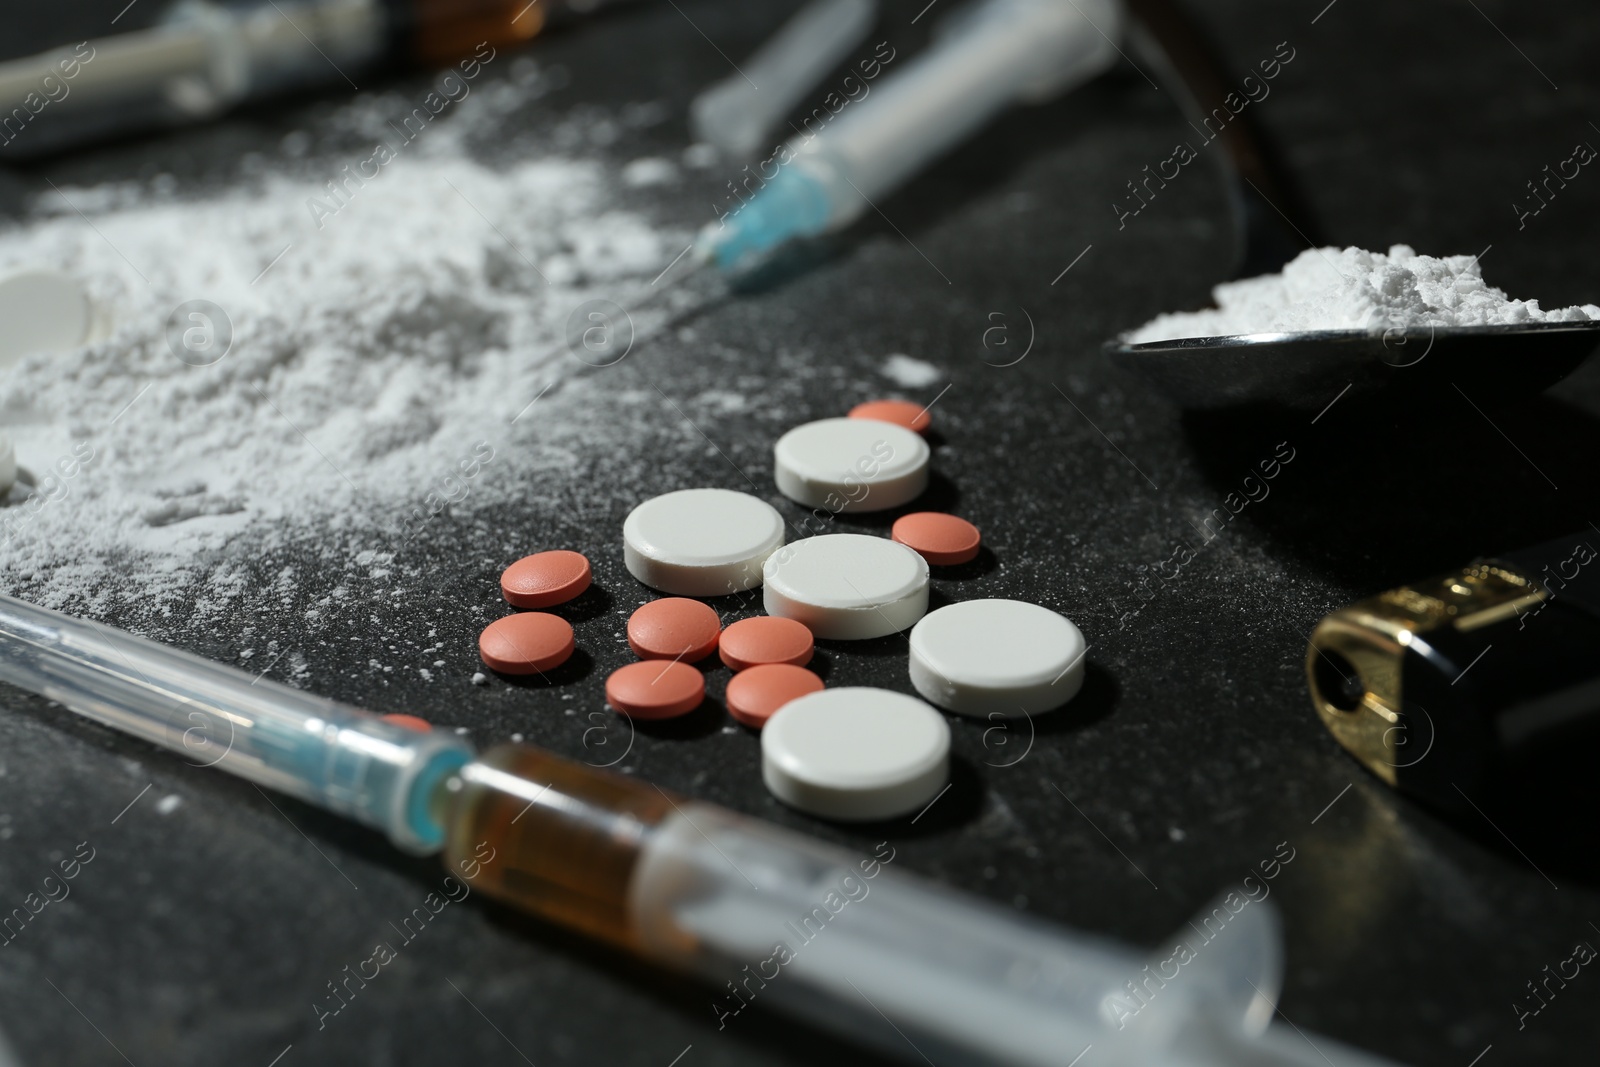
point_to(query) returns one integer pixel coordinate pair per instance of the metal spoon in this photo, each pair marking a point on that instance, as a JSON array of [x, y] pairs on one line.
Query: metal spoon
[[1310, 369], [1313, 368]]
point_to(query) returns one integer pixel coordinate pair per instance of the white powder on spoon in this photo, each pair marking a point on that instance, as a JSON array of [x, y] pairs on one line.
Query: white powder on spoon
[[369, 355], [1353, 289]]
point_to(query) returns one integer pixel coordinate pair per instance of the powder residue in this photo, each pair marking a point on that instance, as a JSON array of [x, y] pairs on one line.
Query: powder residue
[[651, 170], [909, 372], [1353, 289], [281, 360]]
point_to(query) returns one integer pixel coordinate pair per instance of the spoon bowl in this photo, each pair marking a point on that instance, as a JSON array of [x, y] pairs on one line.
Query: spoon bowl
[[1310, 369]]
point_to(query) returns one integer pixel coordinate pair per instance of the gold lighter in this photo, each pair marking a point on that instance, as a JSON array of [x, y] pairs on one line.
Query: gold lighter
[[1439, 686]]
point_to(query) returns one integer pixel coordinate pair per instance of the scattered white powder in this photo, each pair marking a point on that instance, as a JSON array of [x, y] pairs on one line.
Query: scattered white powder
[[700, 156], [371, 356], [909, 373], [1353, 289], [651, 170]]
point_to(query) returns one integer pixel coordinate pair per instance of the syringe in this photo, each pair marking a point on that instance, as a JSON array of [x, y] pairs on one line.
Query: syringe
[[989, 55], [766, 916], [203, 57]]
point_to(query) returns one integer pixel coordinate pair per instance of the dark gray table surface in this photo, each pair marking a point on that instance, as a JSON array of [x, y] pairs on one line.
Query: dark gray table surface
[[203, 936]]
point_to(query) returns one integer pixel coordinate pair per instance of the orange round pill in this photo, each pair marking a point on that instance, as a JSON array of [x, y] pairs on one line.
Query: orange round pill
[[907, 413], [545, 579], [655, 690], [940, 539], [674, 628], [410, 722], [755, 695], [766, 639], [529, 642]]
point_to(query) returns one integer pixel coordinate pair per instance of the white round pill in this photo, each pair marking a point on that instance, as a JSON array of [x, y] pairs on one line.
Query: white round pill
[[847, 587], [997, 657], [856, 753], [851, 465], [701, 542], [8, 465], [43, 311]]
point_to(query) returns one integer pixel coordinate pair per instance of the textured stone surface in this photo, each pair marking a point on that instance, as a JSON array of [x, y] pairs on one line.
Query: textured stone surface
[[204, 929]]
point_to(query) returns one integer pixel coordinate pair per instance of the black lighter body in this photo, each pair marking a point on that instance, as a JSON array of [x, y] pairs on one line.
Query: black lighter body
[[1442, 686]]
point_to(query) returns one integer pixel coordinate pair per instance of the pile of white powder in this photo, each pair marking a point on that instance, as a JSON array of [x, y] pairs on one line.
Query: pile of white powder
[[373, 348], [1353, 289]]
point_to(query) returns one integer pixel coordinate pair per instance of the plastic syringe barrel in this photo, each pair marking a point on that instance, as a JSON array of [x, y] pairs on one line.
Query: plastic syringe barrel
[[328, 754], [738, 113], [772, 918], [851, 941], [202, 58], [989, 55]]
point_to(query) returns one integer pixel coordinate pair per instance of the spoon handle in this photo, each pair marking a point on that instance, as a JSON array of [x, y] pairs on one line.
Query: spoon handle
[[1272, 225]]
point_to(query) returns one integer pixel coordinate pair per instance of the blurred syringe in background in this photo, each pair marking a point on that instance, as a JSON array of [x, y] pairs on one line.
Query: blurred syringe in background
[[203, 57], [987, 56]]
